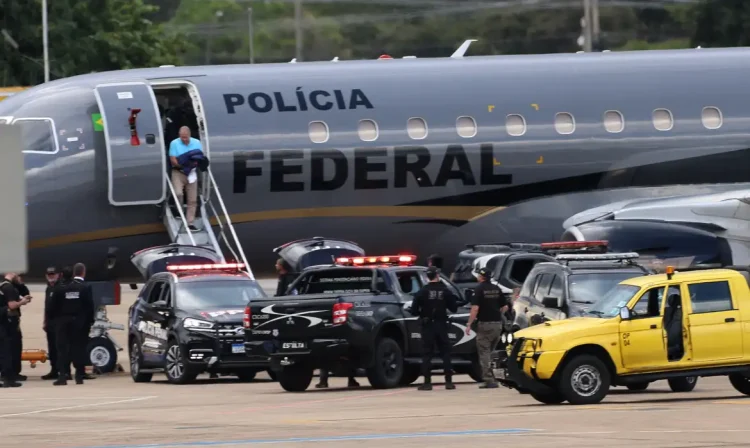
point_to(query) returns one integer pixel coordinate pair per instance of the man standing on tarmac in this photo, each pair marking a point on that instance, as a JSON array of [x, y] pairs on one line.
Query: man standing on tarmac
[[72, 313], [10, 302], [16, 337], [52, 280], [487, 308], [431, 304], [285, 277]]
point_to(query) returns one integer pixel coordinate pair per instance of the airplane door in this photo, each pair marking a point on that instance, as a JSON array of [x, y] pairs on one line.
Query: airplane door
[[136, 156]]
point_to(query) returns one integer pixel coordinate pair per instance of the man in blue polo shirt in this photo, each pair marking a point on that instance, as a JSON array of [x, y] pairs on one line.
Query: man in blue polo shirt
[[180, 180]]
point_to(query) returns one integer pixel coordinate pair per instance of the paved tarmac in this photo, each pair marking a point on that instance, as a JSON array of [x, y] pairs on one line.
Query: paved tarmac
[[112, 411]]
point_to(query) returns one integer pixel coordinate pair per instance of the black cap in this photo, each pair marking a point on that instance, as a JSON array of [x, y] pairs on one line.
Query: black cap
[[484, 272], [52, 270]]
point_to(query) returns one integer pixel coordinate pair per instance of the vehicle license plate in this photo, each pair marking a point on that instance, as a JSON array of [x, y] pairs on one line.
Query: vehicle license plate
[[292, 345], [238, 348]]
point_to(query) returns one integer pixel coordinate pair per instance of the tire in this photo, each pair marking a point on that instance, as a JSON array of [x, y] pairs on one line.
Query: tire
[[638, 386], [686, 384], [740, 382], [553, 398], [246, 375], [296, 378], [136, 361], [389, 365], [584, 380], [272, 375], [177, 371], [102, 354], [411, 374]]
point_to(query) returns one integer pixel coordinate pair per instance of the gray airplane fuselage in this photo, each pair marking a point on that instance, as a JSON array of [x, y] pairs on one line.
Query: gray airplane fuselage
[[396, 193]]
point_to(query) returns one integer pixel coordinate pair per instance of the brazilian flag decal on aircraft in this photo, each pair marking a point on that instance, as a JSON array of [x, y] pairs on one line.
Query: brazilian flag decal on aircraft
[[98, 123]]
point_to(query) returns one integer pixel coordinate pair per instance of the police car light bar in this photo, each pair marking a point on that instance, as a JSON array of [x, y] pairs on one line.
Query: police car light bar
[[404, 260], [573, 245], [205, 267], [597, 257]]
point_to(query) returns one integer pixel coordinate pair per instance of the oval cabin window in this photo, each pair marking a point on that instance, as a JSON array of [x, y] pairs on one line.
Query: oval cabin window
[[417, 128], [466, 127], [613, 121], [564, 123], [711, 118], [663, 120], [368, 130], [515, 125], [318, 132]]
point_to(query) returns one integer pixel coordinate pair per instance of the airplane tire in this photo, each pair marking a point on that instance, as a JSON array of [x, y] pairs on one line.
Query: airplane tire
[[102, 354], [388, 368], [686, 384], [295, 378], [136, 361], [740, 382], [638, 386]]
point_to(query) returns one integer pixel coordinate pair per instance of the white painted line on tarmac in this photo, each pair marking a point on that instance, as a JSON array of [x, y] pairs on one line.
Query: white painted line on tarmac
[[90, 405], [63, 398]]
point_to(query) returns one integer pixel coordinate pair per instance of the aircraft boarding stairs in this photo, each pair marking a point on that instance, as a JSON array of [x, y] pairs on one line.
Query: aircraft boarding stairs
[[175, 221]]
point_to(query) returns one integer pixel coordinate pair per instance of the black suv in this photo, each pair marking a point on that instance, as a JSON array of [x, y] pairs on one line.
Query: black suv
[[569, 286], [188, 320]]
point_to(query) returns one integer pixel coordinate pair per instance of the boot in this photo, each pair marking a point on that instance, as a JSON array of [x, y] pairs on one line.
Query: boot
[[322, 385], [21, 377], [11, 383], [62, 380], [79, 380], [427, 385], [449, 383], [50, 376], [489, 385], [353, 383]]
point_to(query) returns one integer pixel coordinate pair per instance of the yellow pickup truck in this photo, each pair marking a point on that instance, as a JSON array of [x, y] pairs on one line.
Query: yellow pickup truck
[[633, 337]]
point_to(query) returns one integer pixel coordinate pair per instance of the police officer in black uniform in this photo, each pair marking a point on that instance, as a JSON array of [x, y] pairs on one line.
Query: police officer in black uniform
[[53, 277], [72, 313], [430, 304], [10, 302], [16, 337], [286, 277]]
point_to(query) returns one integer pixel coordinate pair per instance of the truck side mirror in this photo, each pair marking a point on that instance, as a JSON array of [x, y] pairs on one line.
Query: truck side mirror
[[160, 305], [550, 302], [625, 313]]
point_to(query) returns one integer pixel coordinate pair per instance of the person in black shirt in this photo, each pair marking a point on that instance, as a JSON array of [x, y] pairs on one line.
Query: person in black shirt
[[71, 312], [431, 304], [10, 303], [487, 308], [285, 277], [53, 276]]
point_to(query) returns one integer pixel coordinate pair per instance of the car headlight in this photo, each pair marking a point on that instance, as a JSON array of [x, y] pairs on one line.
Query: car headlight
[[197, 324], [504, 338]]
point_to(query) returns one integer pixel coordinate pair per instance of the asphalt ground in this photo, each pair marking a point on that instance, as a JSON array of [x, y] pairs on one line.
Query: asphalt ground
[[112, 411]]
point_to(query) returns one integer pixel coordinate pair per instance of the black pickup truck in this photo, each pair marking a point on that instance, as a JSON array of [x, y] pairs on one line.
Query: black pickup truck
[[353, 313]]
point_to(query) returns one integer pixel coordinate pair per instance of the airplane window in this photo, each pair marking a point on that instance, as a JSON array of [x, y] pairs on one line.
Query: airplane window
[[417, 128], [613, 121], [663, 120], [466, 127], [711, 118], [564, 123], [368, 130], [318, 131], [515, 125], [37, 135]]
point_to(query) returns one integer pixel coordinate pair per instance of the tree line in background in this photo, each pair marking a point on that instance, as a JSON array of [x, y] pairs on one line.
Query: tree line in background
[[98, 35]]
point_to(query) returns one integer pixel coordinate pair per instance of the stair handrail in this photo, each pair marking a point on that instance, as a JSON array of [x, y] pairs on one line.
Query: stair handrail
[[229, 224], [179, 210], [223, 235]]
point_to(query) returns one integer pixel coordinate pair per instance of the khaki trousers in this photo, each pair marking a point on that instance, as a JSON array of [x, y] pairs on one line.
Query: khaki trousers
[[180, 182], [488, 335]]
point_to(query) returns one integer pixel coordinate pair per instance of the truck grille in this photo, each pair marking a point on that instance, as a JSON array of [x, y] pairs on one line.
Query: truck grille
[[231, 330]]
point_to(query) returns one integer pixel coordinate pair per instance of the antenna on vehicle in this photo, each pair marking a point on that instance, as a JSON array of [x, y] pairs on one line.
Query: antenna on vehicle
[[462, 49]]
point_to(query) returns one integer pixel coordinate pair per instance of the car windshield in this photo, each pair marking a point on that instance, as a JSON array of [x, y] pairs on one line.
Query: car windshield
[[616, 298], [590, 288], [217, 294]]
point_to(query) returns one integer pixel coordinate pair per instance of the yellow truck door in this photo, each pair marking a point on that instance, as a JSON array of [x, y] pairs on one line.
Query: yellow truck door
[[714, 322], [641, 335]]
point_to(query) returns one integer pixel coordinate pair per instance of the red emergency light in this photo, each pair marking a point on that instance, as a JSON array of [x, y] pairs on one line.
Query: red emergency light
[[384, 56], [401, 260], [573, 245], [205, 267]]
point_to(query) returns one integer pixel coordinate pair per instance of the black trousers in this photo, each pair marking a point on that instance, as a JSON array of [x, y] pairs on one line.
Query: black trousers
[[435, 334], [6, 359], [71, 346], [52, 348], [16, 346]]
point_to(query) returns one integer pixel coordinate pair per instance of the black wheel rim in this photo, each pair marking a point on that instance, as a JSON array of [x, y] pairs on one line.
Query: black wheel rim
[[389, 362]]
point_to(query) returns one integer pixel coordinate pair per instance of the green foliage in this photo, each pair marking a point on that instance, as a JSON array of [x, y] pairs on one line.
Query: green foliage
[[84, 36], [722, 23]]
